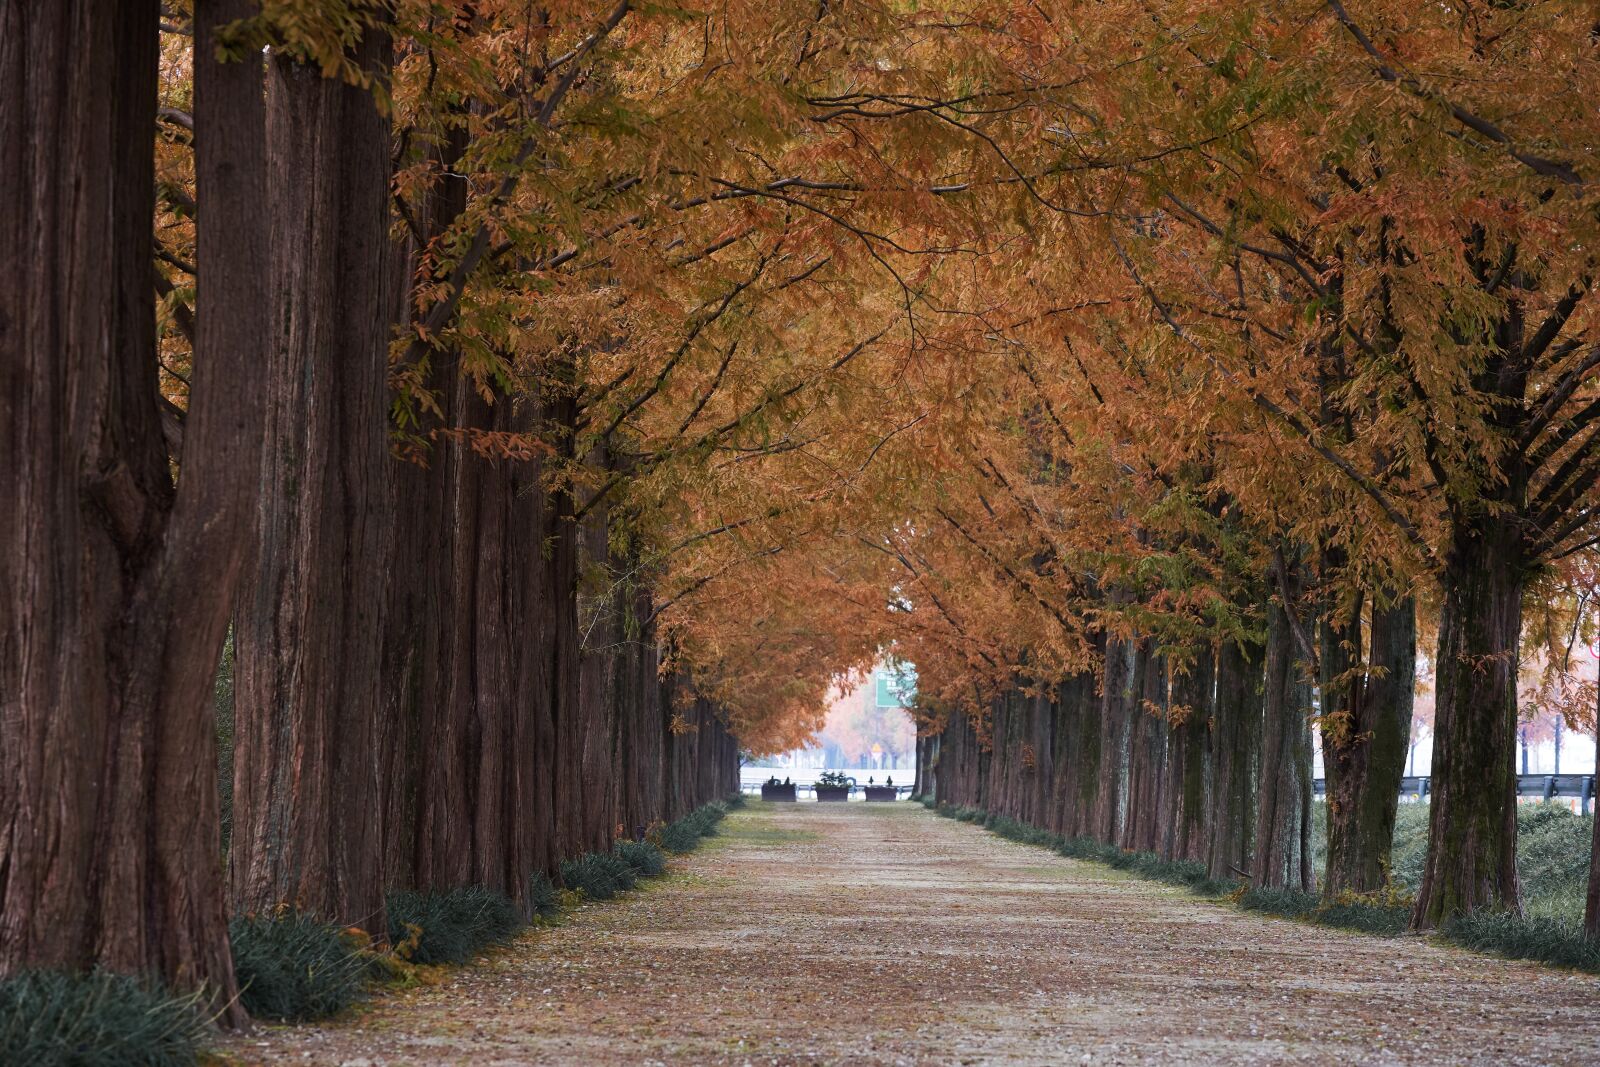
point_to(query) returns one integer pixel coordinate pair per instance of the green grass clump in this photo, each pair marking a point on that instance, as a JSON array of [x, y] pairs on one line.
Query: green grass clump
[[598, 875], [449, 926], [1088, 848], [1386, 913], [53, 1019], [685, 834], [1555, 941], [1022, 832], [293, 968], [1270, 900], [544, 900], [646, 859]]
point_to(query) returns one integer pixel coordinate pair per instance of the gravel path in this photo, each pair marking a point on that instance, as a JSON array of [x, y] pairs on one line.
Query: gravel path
[[884, 934]]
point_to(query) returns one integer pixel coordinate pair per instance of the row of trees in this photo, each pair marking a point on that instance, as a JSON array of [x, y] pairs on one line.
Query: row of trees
[[519, 383], [1271, 358]]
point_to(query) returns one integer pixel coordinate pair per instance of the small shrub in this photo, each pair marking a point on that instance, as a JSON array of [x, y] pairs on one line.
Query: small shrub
[[1289, 903], [646, 859], [1554, 941], [452, 925], [685, 834], [1386, 913], [679, 836], [293, 968], [833, 780], [1367, 913], [598, 875], [52, 1019], [543, 898], [735, 802]]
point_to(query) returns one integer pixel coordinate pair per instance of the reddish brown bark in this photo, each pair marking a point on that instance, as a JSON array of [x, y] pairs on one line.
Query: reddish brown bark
[[1119, 687], [1282, 856], [1472, 821], [600, 607], [1186, 814], [639, 785], [108, 819], [1142, 830], [1365, 739], [310, 629], [1236, 743]]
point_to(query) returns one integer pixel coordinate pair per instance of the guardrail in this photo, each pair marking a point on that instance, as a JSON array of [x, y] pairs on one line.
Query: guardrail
[[753, 789], [1543, 786]]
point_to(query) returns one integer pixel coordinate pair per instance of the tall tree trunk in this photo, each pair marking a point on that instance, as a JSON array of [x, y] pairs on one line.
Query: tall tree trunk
[[1236, 742], [1282, 855], [1121, 682], [1081, 776], [1147, 752], [1472, 822], [1364, 749], [1186, 831], [109, 829], [310, 632], [600, 609], [1044, 725], [637, 759]]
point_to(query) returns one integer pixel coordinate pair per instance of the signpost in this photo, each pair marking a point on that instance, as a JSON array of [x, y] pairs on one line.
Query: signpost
[[896, 686]]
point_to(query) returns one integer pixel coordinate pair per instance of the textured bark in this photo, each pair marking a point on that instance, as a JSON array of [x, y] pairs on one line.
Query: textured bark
[[1186, 830], [1123, 677], [1472, 821], [1236, 741], [639, 780], [1147, 750], [959, 774], [1365, 757], [310, 630], [561, 748], [418, 590], [1080, 785], [600, 618], [1283, 804], [1364, 747], [108, 812]]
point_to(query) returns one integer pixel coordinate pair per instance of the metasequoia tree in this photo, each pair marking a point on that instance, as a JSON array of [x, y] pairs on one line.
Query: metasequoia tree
[[1449, 358], [109, 807], [310, 630]]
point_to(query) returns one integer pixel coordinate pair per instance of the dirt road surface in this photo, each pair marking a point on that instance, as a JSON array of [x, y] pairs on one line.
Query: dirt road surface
[[882, 934]]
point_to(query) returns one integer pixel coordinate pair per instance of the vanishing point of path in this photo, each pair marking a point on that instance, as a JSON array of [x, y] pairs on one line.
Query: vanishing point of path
[[884, 935]]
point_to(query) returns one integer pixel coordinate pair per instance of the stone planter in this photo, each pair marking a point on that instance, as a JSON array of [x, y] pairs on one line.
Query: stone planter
[[837, 793], [882, 793], [778, 792]]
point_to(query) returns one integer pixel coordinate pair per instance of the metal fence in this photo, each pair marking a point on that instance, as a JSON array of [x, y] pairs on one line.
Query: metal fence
[[1543, 786]]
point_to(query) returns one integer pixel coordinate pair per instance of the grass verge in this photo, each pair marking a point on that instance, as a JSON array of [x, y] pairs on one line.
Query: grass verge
[[293, 968], [449, 926], [53, 1019]]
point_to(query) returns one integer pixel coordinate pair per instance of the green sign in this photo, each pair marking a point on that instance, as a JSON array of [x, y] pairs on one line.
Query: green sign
[[896, 686]]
